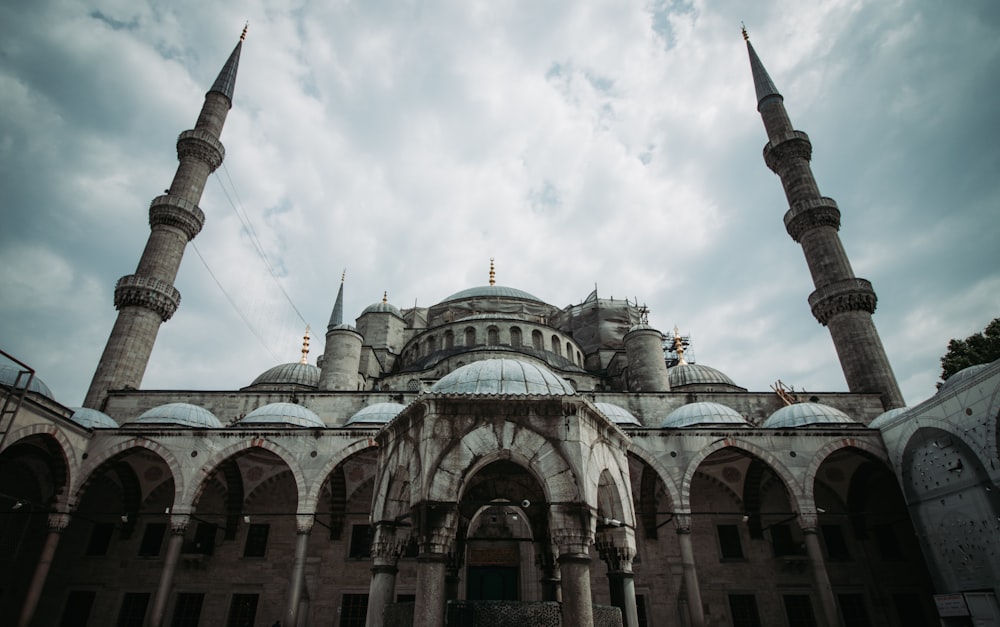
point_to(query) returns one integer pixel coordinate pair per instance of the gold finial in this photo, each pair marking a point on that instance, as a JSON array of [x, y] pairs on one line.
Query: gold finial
[[746, 35], [385, 297], [305, 347], [493, 273], [679, 347], [243, 35]]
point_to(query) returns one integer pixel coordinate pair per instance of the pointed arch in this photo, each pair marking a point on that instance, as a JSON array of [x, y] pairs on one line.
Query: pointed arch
[[820, 456], [87, 471], [792, 486], [64, 464], [312, 494], [204, 472]]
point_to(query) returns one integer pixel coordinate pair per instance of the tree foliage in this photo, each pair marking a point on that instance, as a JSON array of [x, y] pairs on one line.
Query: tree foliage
[[978, 348]]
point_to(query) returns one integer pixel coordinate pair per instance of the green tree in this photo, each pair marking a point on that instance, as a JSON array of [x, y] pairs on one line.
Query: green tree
[[978, 348]]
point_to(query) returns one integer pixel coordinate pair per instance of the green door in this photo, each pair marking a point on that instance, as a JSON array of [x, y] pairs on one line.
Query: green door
[[492, 583]]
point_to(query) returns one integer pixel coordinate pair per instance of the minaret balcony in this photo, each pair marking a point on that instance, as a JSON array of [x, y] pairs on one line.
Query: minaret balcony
[[842, 296], [202, 145], [811, 213], [149, 293], [177, 212], [785, 147]]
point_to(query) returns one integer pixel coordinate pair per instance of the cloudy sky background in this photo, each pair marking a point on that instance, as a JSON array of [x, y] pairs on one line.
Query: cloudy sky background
[[610, 142]]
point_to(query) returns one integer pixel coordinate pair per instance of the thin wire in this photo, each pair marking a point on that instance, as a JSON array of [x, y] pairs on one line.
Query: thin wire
[[248, 226], [233, 303]]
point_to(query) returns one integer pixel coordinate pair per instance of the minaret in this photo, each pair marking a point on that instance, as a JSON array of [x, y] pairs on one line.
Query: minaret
[[342, 353], [148, 298], [841, 302]]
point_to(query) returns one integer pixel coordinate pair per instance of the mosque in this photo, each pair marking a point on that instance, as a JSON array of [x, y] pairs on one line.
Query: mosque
[[494, 459]]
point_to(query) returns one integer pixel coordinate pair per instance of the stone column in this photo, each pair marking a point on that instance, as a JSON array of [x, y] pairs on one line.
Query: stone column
[[387, 546], [303, 526], [616, 546], [57, 523], [437, 526], [574, 571], [690, 574], [808, 522], [545, 558], [178, 526]]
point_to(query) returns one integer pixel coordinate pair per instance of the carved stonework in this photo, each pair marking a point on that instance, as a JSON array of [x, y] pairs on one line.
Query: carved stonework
[[58, 521], [783, 150], [805, 215], [201, 145], [178, 213], [147, 292], [842, 297], [617, 549], [179, 523]]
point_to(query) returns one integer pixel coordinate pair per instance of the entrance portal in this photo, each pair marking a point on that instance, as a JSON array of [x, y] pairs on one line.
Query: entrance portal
[[492, 583]]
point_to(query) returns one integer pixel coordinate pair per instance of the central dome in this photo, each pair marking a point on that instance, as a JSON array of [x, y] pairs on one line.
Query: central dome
[[502, 376], [492, 291]]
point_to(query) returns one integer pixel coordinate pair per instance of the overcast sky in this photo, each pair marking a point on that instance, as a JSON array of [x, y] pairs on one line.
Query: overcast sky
[[578, 142]]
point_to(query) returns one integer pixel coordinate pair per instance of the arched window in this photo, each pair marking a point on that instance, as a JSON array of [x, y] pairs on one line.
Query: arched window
[[536, 339], [431, 344], [515, 337], [579, 359], [492, 336], [470, 336], [555, 345], [449, 340], [569, 351]]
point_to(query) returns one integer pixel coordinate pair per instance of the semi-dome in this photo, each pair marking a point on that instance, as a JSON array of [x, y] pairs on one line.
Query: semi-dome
[[887, 417], [806, 414], [382, 307], [962, 375], [492, 291], [377, 413], [180, 415], [93, 419], [697, 374], [289, 374], [618, 415], [282, 414], [502, 376], [9, 375], [703, 413]]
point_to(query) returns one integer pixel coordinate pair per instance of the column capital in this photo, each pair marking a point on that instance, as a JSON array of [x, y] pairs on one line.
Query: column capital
[[682, 521], [437, 524], [304, 522], [179, 523], [616, 547], [808, 521], [58, 521]]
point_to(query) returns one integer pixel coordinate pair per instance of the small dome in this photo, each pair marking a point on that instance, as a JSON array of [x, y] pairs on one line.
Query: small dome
[[93, 419], [342, 327], [180, 415], [703, 413], [378, 413], [282, 414], [492, 291], [9, 374], [502, 376], [618, 415], [962, 375], [697, 374], [641, 327], [382, 308], [289, 374], [806, 414], [887, 417]]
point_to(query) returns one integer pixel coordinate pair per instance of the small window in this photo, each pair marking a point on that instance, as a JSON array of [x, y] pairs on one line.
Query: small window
[[361, 542], [76, 613], [353, 610], [744, 610], [133, 610], [555, 345], [256, 545], [449, 340], [515, 337], [431, 344], [536, 340], [730, 547], [493, 336], [888, 543], [187, 609], [799, 610], [152, 539], [853, 609], [242, 610], [100, 539], [470, 337], [783, 542], [836, 545], [569, 351]]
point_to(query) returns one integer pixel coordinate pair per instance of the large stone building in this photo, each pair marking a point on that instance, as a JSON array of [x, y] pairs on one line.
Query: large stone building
[[495, 447]]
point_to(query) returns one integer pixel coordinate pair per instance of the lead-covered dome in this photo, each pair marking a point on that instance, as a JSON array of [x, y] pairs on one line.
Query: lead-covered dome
[[618, 415], [282, 415], [375, 414], [807, 414], [503, 376], [492, 291], [684, 375], [703, 413], [284, 375], [887, 417], [9, 376], [962, 375], [382, 307], [93, 419], [180, 415]]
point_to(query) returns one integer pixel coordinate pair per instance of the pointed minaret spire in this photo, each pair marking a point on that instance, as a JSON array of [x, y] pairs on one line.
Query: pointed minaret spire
[[337, 317], [841, 302], [147, 298]]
